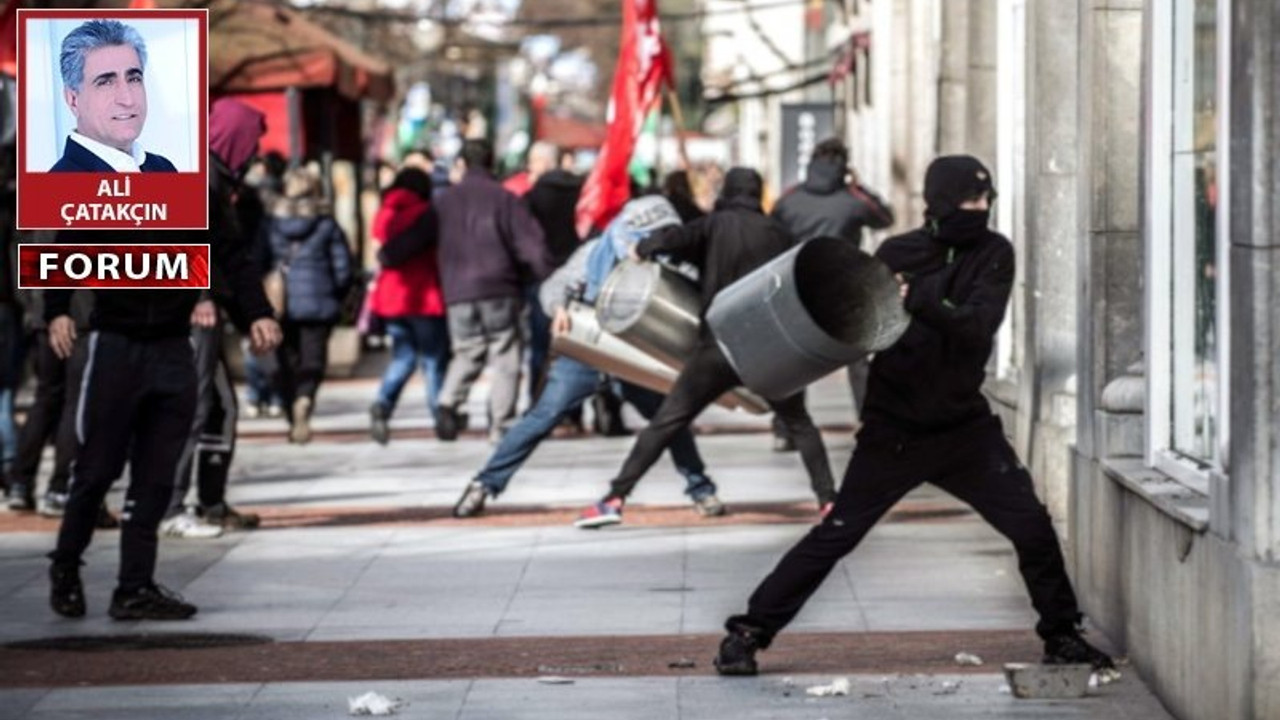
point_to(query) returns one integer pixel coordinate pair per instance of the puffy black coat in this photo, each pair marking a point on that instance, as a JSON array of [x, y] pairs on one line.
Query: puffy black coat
[[826, 206], [313, 251]]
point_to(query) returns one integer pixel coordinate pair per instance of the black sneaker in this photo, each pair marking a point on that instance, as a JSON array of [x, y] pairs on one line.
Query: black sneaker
[[737, 654], [446, 423], [472, 501], [149, 602], [229, 518], [22, 497], [783, 444], [379, 429], [1071, 649], [66, 596]]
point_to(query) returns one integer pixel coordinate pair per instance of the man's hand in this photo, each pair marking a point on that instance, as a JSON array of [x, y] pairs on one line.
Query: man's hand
[[205, 314], [634, 254], [264, 336], [62, 336], [903, 286], [561, 324]]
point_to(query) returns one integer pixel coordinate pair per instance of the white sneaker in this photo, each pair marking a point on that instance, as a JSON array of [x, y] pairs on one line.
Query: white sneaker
[[190, 527]]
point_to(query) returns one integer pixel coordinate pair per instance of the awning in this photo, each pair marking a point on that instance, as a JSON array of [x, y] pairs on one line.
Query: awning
[[255, 46]]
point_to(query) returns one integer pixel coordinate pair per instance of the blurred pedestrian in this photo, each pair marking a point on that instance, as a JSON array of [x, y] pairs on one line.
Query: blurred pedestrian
[[490, 247], [570, 381], [552, 200], [831, 203], [409, 301], [677, 189], [310, 249], [262, 187], [234, 132]]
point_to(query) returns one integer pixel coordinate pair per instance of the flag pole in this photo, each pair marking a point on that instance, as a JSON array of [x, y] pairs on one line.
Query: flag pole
[[677, 115]]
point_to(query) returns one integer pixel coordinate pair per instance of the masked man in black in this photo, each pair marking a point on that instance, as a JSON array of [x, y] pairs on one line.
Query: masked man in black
[[926, 421]]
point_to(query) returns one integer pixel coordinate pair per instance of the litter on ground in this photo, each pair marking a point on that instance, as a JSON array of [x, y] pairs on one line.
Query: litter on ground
[[839, 686], [371, 703]]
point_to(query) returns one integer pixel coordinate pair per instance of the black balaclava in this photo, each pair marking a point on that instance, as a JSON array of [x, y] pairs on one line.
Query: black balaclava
[[743, 188], [949, 181]]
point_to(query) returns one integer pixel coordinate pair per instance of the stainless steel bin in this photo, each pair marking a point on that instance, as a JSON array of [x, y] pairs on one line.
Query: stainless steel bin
[[808, 312]]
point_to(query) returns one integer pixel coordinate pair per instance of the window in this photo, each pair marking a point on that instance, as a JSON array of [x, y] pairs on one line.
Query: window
[[1186, 249]]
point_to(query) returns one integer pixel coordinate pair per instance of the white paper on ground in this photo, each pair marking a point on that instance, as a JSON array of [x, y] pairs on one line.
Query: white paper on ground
[[371, 703], [965, 658], [839, 686]]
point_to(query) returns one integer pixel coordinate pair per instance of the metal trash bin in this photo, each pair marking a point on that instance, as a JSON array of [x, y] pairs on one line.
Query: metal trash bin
[[652, 307], [806, 313], [588, 343]]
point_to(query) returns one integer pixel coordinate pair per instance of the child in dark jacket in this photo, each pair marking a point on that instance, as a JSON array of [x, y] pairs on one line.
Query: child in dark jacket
[[310, 248]]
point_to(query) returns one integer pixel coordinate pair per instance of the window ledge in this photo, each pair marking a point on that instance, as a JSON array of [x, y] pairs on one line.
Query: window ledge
[[1176, 500]]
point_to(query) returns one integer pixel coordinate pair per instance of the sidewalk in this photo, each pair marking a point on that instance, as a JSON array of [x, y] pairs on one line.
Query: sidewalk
[[360, 582]]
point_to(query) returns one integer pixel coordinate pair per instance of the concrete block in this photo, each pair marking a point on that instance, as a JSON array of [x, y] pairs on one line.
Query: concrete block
[[1047, 682]]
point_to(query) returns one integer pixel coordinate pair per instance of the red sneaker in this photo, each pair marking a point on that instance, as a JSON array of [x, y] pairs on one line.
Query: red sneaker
[[605, 512]]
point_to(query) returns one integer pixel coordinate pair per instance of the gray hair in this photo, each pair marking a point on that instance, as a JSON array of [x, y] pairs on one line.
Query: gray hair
[[92, 35]]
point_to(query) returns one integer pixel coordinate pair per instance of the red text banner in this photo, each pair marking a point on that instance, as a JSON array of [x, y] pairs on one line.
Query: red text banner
[[139, 267], [93, 201]]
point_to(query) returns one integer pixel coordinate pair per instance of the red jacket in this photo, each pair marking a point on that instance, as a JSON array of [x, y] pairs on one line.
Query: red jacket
[[412, 288]]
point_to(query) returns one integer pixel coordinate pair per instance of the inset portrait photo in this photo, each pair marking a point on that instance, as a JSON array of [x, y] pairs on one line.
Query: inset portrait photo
[[108, 93]]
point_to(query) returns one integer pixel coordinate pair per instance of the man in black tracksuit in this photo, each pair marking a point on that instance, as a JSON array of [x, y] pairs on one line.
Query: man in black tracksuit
[[724, 246], [927, 421], [137, 405], [831, 203]]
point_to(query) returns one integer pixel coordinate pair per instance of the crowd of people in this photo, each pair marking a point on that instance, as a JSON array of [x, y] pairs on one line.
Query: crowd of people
[[477, 273]]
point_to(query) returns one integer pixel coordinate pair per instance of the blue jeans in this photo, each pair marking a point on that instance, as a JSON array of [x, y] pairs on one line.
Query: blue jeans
[[539, 339], [570, 382], [260, 378], [416, 340]]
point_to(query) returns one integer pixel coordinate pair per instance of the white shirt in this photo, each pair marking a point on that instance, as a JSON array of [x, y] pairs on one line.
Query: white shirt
[[119, 160]]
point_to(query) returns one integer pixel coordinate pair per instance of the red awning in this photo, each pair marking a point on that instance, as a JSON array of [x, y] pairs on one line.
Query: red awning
[[255, 46]]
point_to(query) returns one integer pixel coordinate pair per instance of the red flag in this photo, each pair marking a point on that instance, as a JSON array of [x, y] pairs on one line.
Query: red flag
[[9, 38], [644, 67]]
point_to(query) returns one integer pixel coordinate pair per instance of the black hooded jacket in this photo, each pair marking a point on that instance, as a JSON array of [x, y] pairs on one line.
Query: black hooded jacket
[[552, 201], [727, 244], [931, 379], [826, 206]]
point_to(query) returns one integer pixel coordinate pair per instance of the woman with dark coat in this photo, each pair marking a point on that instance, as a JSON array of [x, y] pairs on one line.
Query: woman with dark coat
[[309, 247]]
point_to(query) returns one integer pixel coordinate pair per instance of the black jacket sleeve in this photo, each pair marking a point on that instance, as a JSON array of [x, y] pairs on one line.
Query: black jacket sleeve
[[877, 213], [404, 246], [58, 302], [233, 267], [975, 320], [686, 243]]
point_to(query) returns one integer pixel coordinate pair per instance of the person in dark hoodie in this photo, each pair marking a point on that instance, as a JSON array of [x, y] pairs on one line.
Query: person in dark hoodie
[[927, 421], [552, 200], [831, 203], [310, 245], [726, 245], [234, 132], [137, 406]]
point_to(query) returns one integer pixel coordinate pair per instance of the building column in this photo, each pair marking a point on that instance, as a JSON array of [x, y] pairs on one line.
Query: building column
[[1253, 487]]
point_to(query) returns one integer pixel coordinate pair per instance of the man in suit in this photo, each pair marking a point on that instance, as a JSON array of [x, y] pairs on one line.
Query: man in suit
[[102, 64]]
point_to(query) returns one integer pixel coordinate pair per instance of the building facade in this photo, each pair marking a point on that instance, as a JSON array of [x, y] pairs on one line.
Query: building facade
[[1134, 145]]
